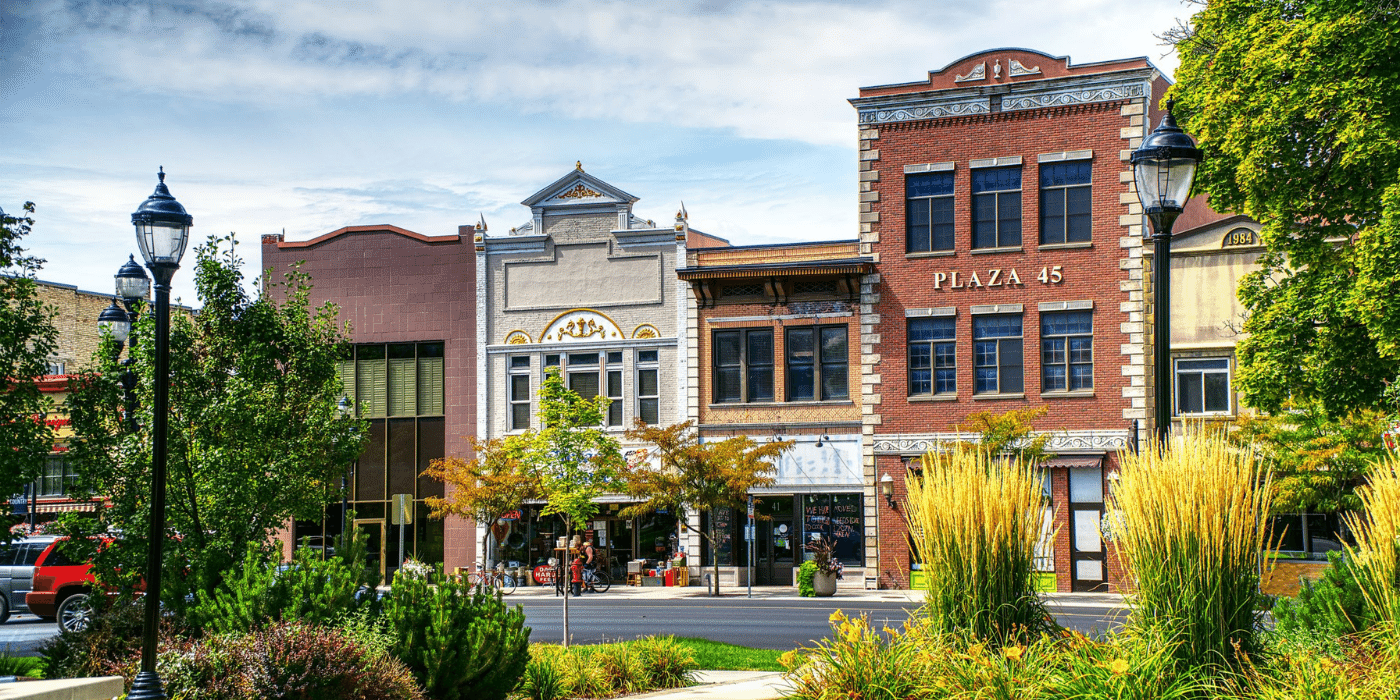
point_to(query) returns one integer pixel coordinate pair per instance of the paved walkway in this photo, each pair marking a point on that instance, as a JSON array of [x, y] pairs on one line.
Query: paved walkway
[[726, 685]]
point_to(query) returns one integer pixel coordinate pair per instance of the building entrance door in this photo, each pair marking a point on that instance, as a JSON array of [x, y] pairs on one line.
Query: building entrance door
[[375, 552], [1086, 565], [776, 542]]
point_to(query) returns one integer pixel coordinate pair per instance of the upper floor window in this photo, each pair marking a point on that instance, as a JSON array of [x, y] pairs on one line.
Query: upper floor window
[[996, 355], [933, 356], [928, 212], [1203, 386], [1065, 202], [1067, 351], [399, 379], [996, 207], [648, 387], [59, 477], [817, 364], [743, 365], [614, 377], [519, 392]]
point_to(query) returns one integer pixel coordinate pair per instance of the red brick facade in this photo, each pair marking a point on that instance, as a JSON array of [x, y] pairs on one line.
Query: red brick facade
[[1044, 111]]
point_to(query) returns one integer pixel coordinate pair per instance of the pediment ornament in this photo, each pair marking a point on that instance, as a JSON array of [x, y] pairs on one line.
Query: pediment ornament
[[1015, 68], [580, 191], [581, 325], [978, 72]]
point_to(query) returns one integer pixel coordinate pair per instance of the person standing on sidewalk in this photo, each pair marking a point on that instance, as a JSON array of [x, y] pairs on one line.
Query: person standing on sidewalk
[[590, 564]]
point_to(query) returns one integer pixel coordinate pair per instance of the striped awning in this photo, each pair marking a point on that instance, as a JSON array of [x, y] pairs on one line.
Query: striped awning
[[1075, 461]]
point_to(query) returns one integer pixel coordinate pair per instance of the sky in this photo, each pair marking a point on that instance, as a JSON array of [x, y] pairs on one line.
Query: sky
[[304, 116]]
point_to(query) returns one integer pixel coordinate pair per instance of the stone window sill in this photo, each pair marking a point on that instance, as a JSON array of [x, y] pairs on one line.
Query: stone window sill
[[990, 251], [996, 397], [924, 398], [1066, 246], [780, 404], [932, 254], [1081, 394]]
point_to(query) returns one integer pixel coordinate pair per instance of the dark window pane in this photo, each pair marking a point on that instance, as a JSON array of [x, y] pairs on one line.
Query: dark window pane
[[1078, 215], [1215, 391], [1081, 350], [401, 351], [583, 358], [615, 412], [1188, 388], [1053, 378], [519, 416], [615, 384], [945, 355], [646, 382], [984, 221], [1052, 216], [801, 382], [834, 345], [585, 384], [920, 381], [727, 385], [520, 361], [920, 356], [520, 387], [992, 179], [986, 380], [945, 381], [918, 239], [941, 222], [801, 345], [551, 360], [1081, 376], [430, 349], [403, 461], [1009, 361], [920, 329], [646, 356], [1009, 219], [928, 184], [760, 347], [996, 327], [369, 352], [431, 445], [1197, 365], [727, 349], [835, 384], [649, 411], [761, 383], [369, 470]]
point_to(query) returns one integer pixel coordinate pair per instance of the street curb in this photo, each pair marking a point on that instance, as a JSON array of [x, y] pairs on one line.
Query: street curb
[[682, 692]]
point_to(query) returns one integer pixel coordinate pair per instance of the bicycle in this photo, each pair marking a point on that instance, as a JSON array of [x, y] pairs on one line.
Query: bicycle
[[597, 579], [493, 578]]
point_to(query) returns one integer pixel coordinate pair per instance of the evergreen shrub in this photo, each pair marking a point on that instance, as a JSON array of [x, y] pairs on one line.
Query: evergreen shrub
[[806, 574]]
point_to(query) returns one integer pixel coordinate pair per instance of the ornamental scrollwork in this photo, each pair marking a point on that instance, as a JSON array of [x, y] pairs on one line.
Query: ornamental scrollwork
[[580, 192]]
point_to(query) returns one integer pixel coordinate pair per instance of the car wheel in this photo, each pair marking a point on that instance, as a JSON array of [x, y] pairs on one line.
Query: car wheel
[[74, 613], [4, 609]]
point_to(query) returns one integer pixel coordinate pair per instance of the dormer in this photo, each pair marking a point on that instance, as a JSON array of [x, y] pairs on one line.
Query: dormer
[[578, 193]]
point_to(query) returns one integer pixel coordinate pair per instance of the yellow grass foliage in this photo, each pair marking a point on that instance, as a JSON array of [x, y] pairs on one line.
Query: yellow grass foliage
[[1378, 541], [974, 519], [1191, 533]]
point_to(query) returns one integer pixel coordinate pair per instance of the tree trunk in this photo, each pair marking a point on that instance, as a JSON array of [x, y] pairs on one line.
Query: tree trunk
[[714, 561], [567, 578]]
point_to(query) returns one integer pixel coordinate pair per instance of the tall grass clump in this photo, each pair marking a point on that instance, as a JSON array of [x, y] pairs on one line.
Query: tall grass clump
[[1376, 556], [1192, 536], [974, 519]]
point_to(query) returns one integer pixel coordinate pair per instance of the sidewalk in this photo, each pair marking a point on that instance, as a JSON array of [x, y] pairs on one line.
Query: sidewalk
[[843, 595], [729, 685]]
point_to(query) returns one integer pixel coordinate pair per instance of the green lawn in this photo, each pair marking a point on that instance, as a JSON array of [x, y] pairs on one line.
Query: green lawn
[[718, 656], [19, 665]]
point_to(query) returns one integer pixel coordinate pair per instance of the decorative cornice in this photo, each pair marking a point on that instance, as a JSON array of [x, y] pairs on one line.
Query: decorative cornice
[[925, 110], [1057, 98], [1061, 441]]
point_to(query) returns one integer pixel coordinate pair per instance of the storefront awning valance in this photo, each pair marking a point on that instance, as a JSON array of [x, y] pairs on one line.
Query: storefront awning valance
[[1075, 461]]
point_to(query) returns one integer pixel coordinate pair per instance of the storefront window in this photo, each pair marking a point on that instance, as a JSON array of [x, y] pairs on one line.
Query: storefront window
[[835, 517]]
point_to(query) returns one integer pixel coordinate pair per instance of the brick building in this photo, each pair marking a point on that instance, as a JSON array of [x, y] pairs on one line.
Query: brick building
[[772, 355], [997, 199], [410, 303]]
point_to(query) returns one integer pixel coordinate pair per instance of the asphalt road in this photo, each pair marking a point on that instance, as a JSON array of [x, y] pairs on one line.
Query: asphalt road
[[770, 624]]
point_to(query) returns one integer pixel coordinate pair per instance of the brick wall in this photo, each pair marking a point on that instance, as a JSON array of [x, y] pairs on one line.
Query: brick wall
[[397, 286]]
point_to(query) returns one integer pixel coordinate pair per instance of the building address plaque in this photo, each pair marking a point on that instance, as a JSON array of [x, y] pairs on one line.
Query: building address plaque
[[996, 277]]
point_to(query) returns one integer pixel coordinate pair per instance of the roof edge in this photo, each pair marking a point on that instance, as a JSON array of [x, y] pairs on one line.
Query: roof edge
[[386, 228]]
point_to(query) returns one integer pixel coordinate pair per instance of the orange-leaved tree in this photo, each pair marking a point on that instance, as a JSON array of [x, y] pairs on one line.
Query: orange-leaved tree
[[704, 476], [496, 481]]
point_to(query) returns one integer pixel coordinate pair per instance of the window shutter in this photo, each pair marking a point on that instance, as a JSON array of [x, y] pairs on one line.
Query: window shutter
[[371, 387], [345, 369], [403, 387], [430, 388]]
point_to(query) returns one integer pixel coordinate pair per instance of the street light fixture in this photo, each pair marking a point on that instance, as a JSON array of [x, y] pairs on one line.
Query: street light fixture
[[162, 231], [1164, 168], [115, 321], [345, 409]]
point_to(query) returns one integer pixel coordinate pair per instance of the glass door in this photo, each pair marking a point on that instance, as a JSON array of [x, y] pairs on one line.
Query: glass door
[[777, 542]]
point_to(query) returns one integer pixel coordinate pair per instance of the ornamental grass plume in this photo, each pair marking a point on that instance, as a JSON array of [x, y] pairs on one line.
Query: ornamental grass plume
[[1376, 556], [1192, 536], [974, 519]]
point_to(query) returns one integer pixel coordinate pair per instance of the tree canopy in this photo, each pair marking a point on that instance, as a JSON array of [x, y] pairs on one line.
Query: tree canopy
[[255, 436], [1297, 107], [27, 338]]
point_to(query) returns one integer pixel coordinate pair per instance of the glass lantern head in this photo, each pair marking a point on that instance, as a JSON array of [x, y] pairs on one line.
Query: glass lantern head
[[132, 281], [115, 321], [162, 227], [1164, 168], [344, 407]]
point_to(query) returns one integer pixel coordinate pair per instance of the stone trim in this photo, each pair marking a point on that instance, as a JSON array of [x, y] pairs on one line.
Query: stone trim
[[1060, 441], [935, 311], [929, 168], [993, 162], [1065, 155], [1066, 305], [978, 309], [1135, 285]]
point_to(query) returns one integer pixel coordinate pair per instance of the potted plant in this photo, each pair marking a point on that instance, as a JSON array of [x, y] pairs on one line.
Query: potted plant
[[828, 567]]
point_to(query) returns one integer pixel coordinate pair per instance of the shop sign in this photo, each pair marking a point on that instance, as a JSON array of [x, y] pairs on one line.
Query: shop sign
[[510, 515], [995, 277]]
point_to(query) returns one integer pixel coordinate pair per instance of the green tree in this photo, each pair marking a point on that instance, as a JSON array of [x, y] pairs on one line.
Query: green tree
[[497, 480], [27, 338], [1011, 434], [1297, 107], [255, 438], [1318, 461], [691, 475]]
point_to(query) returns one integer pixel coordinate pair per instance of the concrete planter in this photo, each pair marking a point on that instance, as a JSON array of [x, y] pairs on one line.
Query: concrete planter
[[824, 584]]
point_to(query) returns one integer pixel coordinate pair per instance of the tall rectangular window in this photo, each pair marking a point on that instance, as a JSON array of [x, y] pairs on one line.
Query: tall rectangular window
[[817, 364], [996, 355], [928, 212], [520, 392], [648, 387], [1203, 386], [402, 379], [743, 365], [58, 479], [1065, 196], [615, 388], [583, 374], [933, 360], [996, 207], [1067, 351]]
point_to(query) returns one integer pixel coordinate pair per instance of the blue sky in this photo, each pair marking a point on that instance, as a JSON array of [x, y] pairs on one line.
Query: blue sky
[[308, 116]]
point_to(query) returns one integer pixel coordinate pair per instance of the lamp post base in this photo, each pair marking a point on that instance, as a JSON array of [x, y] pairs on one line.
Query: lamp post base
[[146, 686]]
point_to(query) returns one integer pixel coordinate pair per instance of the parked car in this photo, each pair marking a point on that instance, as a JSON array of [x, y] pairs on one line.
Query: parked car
[[62, 588], [17, 561]]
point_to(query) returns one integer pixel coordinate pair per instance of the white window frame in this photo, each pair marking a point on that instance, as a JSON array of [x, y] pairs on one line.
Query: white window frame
[[511, 400], [638, 368], [1229, 372]]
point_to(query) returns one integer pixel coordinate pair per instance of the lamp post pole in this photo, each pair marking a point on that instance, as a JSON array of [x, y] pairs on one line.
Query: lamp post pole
[[162, 229], [1164, 168]]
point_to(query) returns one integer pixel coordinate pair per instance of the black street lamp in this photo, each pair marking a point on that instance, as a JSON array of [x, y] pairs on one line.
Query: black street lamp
[[117, 322], [162, 230], [344, 408], [1164, 167], [133, 286]]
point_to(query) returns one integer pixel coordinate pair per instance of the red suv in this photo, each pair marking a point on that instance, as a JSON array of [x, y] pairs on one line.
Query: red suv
[[61, 589]]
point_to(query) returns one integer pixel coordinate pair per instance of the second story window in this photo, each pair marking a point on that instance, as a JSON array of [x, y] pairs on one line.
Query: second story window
[[933, 362], [1065, 208], [1203, 386], [583, 374], [401, 379], [615, 388], [817, 364], [998, 367], [996, 207], [928, 212], [743, 365], [519, 392], [1067, 351], [648, 387]]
